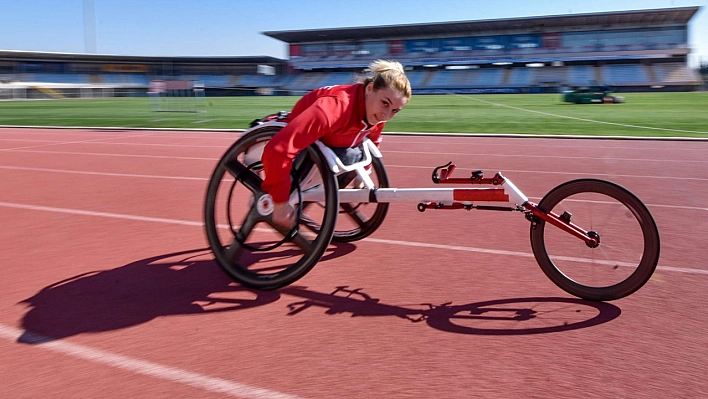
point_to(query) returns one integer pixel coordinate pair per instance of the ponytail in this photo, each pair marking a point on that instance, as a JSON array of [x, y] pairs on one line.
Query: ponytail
[[387, 74]]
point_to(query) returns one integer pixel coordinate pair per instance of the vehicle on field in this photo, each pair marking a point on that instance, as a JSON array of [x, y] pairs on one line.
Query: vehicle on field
[[591, 95]]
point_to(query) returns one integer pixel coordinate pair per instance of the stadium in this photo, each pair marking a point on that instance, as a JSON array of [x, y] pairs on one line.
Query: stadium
[[142, 258], [630, 51]]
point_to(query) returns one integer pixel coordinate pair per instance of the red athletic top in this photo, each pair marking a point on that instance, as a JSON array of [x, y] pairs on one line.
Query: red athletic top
[[335, 115]]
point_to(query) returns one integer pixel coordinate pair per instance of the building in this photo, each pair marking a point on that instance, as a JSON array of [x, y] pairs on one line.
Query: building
[[642, 50], [629, 50]]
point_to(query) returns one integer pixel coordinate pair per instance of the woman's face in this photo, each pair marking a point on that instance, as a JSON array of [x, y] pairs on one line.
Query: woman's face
[[382, 104]]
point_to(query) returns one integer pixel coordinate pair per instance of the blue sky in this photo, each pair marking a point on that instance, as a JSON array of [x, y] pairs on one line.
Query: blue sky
[[234, 27]]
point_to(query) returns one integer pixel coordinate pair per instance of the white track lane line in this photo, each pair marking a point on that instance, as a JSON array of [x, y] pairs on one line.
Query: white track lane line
[[586, 174], [105, 154], [100, 214], [130, 175], [50, 144], [374, 240], [388, 165], [122, 144], [525, 156], [83, 172], [172, 374], [467, 155]]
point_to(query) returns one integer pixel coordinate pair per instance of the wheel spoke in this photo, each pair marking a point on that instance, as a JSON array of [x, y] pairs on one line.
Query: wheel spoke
[[303, 243], [246, 176], [309, 223], [235, 249], [354, 214]]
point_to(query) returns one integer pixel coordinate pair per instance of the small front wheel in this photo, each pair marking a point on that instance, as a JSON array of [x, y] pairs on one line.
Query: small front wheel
[[628, 249]]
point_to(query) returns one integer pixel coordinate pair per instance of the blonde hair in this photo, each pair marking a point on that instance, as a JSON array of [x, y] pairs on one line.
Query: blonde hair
[[383, 74]]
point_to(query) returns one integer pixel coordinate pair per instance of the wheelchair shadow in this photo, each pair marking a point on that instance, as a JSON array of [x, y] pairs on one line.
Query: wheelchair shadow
[[190, 282], [512, 316]]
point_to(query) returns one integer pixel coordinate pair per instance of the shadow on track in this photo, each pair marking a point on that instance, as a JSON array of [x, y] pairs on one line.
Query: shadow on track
[[190, 282]]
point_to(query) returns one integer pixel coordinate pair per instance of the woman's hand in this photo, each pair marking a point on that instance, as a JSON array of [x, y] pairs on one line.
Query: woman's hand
[[284, 215]]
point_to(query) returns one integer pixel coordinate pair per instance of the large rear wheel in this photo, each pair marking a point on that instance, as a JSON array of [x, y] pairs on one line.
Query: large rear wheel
[[237, 215], [356, 220]]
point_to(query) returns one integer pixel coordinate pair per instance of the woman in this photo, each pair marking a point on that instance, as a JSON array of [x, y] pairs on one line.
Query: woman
[[341, 117]]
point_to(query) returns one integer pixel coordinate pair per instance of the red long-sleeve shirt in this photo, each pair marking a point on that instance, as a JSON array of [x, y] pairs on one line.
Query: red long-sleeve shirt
[[335, 115]]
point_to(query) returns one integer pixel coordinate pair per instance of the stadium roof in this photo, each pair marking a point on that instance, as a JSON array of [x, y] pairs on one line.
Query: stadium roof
[[16, 55], [664, 16]]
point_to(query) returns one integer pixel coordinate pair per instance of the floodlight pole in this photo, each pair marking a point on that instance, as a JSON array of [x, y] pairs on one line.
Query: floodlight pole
[[89, 26]]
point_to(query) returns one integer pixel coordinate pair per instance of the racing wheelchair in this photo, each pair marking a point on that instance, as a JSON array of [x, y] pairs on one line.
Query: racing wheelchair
[[593, 238]]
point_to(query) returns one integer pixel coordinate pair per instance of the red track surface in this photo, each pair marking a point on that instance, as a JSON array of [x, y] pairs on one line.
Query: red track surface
[[107, 289]]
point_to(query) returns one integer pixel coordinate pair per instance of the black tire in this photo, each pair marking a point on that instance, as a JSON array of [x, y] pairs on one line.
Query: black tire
[[358, 220], [629, 240], [267, 257]]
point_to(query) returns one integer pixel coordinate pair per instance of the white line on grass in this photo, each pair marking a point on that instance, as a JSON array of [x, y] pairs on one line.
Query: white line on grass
[[580, 119]]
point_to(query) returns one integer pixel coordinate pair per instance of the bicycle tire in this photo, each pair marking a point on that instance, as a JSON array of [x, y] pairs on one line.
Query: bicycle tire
[[591, 199]]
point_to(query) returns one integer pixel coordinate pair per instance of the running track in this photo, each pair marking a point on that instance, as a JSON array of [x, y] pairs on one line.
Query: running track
[[107, 289]]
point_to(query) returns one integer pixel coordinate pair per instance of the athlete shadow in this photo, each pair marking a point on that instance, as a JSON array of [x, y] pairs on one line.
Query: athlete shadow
[[190, 282], [175, 284], [512, 316]]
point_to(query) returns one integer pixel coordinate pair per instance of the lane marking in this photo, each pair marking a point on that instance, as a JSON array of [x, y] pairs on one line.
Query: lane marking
[[29, 150], [51, 144], [388, 165], [467, 154], [100, 214], [581, 142], [130, 175], [103, 154], [520, 254], [586, 174], [506, 171], [119, 143], [83, 172], [48, 170], [375, 240], [155, 132], [143, 367]]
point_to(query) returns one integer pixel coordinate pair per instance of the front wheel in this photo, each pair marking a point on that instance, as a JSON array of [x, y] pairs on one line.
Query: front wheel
[[629, 240]]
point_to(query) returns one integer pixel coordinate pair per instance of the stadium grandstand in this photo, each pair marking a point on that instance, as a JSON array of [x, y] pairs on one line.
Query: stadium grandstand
[[641, 50]]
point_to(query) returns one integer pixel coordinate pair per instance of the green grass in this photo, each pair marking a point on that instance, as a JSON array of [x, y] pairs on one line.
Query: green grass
[[643, 114]]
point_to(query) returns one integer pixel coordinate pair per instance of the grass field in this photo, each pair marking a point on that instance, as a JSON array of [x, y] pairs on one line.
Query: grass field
[[643, 114]]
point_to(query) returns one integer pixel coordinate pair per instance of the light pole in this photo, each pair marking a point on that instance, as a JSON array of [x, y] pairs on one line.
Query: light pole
[[89, 26]]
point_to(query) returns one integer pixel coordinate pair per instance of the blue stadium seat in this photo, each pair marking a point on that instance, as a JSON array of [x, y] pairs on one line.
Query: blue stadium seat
[[625, 75]]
